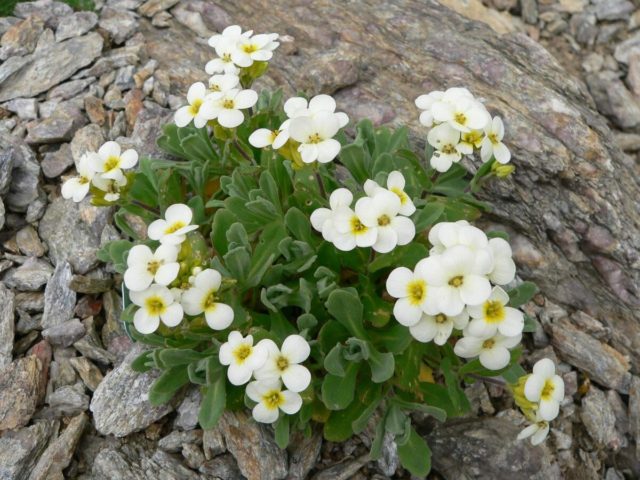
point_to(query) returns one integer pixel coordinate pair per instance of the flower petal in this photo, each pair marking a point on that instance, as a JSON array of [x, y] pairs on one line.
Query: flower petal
[[220, 317], [296, 378]]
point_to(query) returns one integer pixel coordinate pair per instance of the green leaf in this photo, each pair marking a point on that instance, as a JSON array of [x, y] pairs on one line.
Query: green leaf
[[238, 262], [281, 431], [265, 252], [143, 363], [167, 384], [346, 307], [522, 294], [354, 158], [173, 357], [222, 222], [299, 225], [428, 215], [415, 455], [334, 362], [382, 365], [437, 413], [331, 334], [214, 399], [401, 256], [338, 392]]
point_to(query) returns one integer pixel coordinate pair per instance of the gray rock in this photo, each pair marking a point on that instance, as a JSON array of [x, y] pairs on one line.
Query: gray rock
[[189, 409], [36, 209], [175, 440], [2, 213], [25, 108], [303, 454], [48, 66], [91, 347], [69, 89], [25, 173], [213, 443], [628, 142], [6, 23], [613, 9], [29, 243], [72, 232], [20, 449], [124, 78], [20, 389], [624, 49], [30, 301], [124, 4], [602, 363], [89, 373], [114, 336], [56, 163], [88, 139], [67, 401], [253, 447], [120, 404], [59, 299], [161, 20], [59, 127], [634, 412], [7, 305], [599, 419], [529, 11], [75, 25], [50, 11], [223, 466], [90, 284], [613, 99], [21, 38], [488, 448], [29, 276], [64, 334], [151, 7], [120, 24], [193, 456], [584, 29], [58, 454], [192, 20], [343, 470], [6, 167]]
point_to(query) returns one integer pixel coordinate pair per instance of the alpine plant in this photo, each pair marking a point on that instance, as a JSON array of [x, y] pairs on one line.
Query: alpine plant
[[316, 271]]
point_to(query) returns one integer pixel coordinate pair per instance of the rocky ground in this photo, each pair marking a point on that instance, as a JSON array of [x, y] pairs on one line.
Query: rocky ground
[[70, 406]]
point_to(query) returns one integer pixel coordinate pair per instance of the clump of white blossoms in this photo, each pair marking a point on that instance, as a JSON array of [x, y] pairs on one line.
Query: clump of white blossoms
[[172, 229], [103, 170], [236, 49], [543, 392], [376, 221], [202, 297], [459, 124]]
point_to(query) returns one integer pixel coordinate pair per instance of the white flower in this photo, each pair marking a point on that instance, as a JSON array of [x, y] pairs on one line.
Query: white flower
[[493, 351], [472, 139], [242, 357], [156, 304], [227, 106], [285, 363], [225, 48], [315, 134], [425, 102], [395, 184], [174, 227], [546, 388], [145, 266], [271, 399], [78, 187], [258, 48], [494, 316], [458, 278], [413, 294], [381, 213], [223, 83], [299, 107], [537, 431], [504, 269], [110, 161], [202, 297], [449, 150], [438, 327], [460, 110], [492, 144], [263, 137], [232, 33], [445, 235], [110, 186], [197, 97], [349, 232], [322, 218]]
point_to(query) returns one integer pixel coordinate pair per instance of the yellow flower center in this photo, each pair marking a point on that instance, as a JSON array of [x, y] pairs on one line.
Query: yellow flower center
[[175, 226], [226, 57], [82, 180], [274, 134], [314, 138], [460, 118], [384, 220], [448, 149], [249, 48], [547, 390], [401, 195], [493, 311], [488, 343], [153, 266], [456, 281], [357, 228], [282, 363], [494, 138], [273, 399], [473, 138], [111, 163], [441, 318], [214, 87], [417, 291], [155, 305], [209, 302], [194, 108], [228, 103], [241, 352]]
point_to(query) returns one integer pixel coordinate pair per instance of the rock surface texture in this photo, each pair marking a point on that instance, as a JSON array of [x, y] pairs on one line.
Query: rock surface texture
[[563, 74]]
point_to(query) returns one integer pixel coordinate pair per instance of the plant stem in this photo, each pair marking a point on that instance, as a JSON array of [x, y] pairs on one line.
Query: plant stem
[[243, 152], [320, 185], [493, 381], [146, 207]]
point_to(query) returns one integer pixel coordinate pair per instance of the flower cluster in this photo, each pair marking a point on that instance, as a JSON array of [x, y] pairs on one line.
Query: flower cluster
[[154, 281], [539, 395], [237, 50], [309, 128], [273, 368], [102, 169], [459, 124], [452, 289], [378, 220]]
